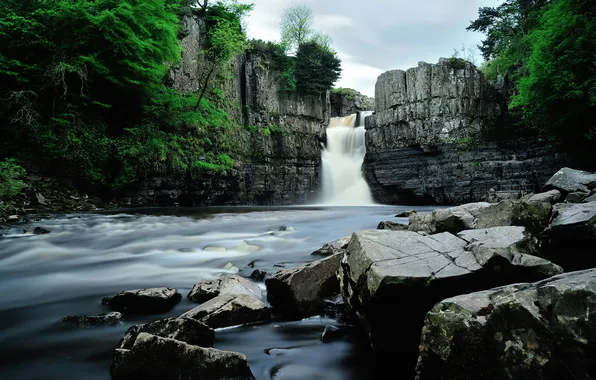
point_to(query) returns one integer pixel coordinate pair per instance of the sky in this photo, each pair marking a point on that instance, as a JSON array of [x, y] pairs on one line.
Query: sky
[[375, 36]]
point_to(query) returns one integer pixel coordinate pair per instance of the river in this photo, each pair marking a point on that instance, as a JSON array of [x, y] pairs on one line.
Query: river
[[89, 256]]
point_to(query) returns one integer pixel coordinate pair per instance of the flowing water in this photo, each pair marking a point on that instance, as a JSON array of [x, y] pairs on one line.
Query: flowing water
[[89, 256], [341, 162]]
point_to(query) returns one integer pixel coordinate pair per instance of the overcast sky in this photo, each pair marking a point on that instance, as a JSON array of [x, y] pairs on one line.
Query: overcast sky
[[374, 36]]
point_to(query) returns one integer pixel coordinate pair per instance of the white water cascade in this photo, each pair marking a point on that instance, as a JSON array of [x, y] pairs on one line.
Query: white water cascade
[[342, 182]]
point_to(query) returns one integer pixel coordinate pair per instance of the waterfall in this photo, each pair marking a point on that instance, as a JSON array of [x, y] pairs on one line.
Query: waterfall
[[342, 180]]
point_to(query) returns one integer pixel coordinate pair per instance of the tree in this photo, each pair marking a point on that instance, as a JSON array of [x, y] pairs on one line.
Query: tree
[[296, 26], [317, 68]]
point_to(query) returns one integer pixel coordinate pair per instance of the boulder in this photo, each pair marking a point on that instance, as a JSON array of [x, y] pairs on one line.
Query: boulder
[[389, 225], [577, 196], [40, 231], [543, 330], [230, 310], [300, 291], [532, 215], [405, 214], [570, 180], [205, 290], [258, 275], [551, 196], [390, 279], [570, 238], [334, 247], [101, 320], [591, 198], [186, 330], [452, 219], [144, 301], [154, 357]]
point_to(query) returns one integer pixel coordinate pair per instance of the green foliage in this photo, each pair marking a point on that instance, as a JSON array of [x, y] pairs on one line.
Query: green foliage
[[317, 68], [559, 92], [276, 54], [11, 182]]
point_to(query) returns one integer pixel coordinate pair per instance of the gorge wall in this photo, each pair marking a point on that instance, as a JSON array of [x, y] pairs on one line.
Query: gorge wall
[[276, 146], [423, 141]]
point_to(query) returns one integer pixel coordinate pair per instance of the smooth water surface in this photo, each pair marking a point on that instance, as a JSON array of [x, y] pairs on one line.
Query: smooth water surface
[[90, 256]]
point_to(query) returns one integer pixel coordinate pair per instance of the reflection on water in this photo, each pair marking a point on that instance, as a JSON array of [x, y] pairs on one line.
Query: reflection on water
[[90, 256]]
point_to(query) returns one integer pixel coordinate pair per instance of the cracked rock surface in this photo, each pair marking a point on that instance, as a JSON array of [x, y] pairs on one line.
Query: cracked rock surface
[[542, 330], [205, 290], [230, 310], [390, 279]]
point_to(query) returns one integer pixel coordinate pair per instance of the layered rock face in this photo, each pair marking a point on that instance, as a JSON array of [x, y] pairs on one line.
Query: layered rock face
[[422, 140], [346, 101], [276, 146]]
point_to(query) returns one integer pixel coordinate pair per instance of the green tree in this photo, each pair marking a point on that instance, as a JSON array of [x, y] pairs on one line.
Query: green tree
[[296, 28], [559, 92], [317, 68]]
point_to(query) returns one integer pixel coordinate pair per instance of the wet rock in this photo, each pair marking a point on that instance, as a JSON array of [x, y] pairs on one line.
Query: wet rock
[[332, 248], [12, 218], [144, 301], [230, 310], [186, 330], [258, 275], [332, 333], [231, 267], [153, 357], [101, 320], [543, 330], [406, 214], [300, 291], [205, 290], [335, 307], [389, 225], [570, 238], [40, 231], [390, 279], [570, 180], [551, 196]]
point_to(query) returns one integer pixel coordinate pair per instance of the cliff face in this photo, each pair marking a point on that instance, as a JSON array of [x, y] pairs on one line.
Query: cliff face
[[346, 101], [420, 140], [276, 148]]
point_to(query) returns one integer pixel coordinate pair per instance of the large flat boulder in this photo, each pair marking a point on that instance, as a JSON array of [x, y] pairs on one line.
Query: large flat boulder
[[570, 238], [205, 290], [144, 301], [154, 357], [230, 310], [544, 330], [390, 279], [301, 291], [186, 330], [570, 180]]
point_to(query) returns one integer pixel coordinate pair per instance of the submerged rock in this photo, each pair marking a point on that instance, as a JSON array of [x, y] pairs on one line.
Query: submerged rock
[[230, 310], [389, 225], [536, 331], [154, 357], [332, 333], [40, 231], [205, 290], [301, 291], [101, 320], [186, 330], [144, 301]]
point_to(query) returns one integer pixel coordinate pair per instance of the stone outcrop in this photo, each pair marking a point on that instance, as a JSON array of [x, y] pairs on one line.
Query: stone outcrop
[[390, 279], [536, 331], [185, 330], [230, 310], [101, 320], [423, 147], [301, 291], [205, 290], [144, 301], [336, 246], [346, 101]]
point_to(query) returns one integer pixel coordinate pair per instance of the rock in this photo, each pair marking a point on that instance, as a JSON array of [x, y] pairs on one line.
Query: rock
[[258, 275], [230, 310], [591, 198], [12, 218], [390, 279], [40, 199], [205, 290], [144, 301], [532, 215], [452, 219], [389, 225], [332, 333], [231, 267], [101, 320], [300, 291], [571, 236], [551, 196], [346, 101], [40, 231], [153, 357], [536, 331], [405, 214], [332, 248], [577, 196], [570, 180], [185, 330]]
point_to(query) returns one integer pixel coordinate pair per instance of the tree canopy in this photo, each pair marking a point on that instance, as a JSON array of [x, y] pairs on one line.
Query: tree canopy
[[296, 28]]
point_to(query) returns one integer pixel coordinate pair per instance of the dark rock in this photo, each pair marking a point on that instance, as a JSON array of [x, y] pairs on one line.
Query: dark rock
[[551, 196], [405, 214], [144, 301], [230, 310], [12, 218], [185, 330], [40, 231], [101, 320], [335, 307], [300, 291], [570, 180], [536, 331], [577, 196], [205, 290], [383, 271], [347, 101], [153, 357], [332, 248], [389, 225], [332, 333], [40, 199], [258, 275]]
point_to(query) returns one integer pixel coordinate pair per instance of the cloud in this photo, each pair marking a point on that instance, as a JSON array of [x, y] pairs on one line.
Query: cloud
[[379, 35]]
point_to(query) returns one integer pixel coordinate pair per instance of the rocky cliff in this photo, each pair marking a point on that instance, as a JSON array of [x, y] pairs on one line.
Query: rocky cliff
[[346, 101], [276, 146], [424, 142]]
